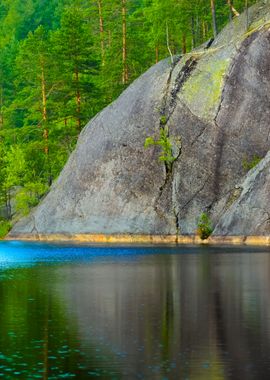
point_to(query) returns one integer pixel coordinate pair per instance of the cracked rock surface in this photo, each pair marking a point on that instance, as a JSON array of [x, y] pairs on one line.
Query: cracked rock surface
[[250, 213], [217, 103]]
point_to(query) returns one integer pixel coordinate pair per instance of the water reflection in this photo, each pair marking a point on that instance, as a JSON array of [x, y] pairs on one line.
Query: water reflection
[[145, 314]]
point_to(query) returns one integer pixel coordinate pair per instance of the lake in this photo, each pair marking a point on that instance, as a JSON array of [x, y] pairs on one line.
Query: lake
[[78, 312]]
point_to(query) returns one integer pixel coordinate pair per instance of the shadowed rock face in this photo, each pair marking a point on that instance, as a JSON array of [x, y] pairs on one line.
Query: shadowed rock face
[[251, 210], [217, 106]]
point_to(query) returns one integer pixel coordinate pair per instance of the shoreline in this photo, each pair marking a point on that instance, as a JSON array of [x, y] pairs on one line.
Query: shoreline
[[143, 239]]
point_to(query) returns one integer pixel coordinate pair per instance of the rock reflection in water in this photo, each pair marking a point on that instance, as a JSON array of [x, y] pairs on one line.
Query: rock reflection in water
[[180, 316], [163, 316]]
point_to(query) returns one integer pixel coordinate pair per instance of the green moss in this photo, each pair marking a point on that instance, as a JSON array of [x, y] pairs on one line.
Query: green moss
[[250, 164], [257, 25], [202, 91]]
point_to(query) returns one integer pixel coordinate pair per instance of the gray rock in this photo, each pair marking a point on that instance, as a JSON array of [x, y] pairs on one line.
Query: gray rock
[[249, 214], [217, 106]]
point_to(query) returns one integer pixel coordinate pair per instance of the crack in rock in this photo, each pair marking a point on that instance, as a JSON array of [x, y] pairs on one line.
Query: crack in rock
[[169, 104]]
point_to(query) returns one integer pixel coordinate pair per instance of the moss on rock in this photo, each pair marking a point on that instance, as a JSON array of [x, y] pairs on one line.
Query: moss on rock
[[202, 92]]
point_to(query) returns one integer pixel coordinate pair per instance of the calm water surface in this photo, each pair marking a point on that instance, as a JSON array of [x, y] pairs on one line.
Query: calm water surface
[[134, 313]]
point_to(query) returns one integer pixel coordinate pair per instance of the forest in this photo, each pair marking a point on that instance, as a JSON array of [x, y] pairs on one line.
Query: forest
[[62, 61]]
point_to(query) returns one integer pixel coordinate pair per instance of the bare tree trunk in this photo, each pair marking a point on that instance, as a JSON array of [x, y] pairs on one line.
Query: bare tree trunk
[[124, 42], [197, 29], [214, 18], [8, 204], [184, 44], [78, 99], [157, 54], [233, 11], [44, 111], [204, 30], [168, 42], [1, 107], [45, 124], [230, 9], [101, 32], [193, 33], [247, 15]]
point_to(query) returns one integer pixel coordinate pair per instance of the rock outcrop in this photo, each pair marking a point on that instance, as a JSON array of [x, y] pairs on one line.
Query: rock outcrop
[[215, 105], [247, 209]]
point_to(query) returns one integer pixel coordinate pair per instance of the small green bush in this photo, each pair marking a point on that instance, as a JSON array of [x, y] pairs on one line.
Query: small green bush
[[205, 228], [5, 227], [163, 120], [165, 144]]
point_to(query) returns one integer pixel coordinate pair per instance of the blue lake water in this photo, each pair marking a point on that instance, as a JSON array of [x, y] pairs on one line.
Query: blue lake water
[[78, 312]]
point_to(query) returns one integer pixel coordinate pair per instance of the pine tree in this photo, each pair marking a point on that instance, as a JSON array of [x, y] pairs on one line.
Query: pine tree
[[74, 54], [34, 65]]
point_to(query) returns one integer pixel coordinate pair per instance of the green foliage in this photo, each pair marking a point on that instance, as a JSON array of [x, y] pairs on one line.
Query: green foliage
[[14, 168], [250, 164], [164, 143], [163, 120], [5, 227], [29, 196], [205, 228]]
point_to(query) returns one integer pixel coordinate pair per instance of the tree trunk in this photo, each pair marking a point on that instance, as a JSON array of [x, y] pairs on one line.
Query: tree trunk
[[45, 124], [157, 54], [233, 11], [247, 15], [101, 32], [184, 44], [193, 33], [8, 205], [78, 98], [214, 18], [1, 107], [124, 42], [44, 111], [168, 42], [204, 30], [230, 9]]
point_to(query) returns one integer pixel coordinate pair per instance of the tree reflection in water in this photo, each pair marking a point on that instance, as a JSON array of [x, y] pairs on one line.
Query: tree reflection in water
[[148, 314]]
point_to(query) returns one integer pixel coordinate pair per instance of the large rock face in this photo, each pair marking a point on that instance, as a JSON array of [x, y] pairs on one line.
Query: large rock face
[[216, 103]]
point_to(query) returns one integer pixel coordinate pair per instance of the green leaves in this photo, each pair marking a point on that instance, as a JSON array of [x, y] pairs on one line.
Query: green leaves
[[149, 141], [205, 228], [14, 168], [164, 143], [29, 196], [5, 227]]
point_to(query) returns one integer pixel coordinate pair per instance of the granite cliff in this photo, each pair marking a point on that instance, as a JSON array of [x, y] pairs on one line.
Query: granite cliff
[[214, 104]]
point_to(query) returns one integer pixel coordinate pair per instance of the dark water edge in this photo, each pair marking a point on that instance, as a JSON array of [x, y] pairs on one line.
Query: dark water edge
[[147, 312]]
